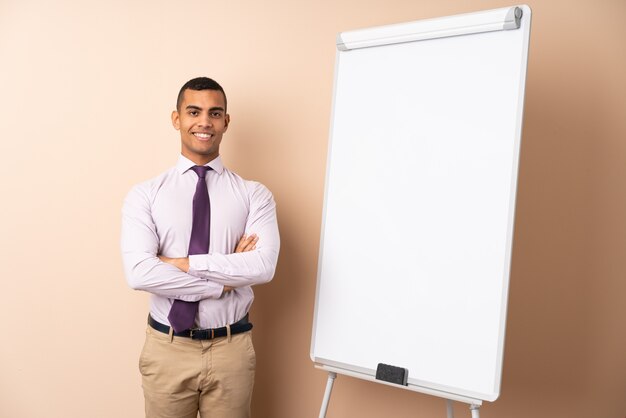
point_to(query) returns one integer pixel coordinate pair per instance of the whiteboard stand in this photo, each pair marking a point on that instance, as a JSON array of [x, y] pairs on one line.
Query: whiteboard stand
[[329, 389], [449, 408], [449, 397], [474, 408]]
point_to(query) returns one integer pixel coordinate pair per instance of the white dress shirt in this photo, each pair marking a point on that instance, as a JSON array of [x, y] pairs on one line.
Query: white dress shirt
[[156, 220]]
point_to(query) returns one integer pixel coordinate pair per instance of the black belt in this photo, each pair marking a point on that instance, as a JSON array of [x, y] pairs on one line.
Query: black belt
[[204, 334]]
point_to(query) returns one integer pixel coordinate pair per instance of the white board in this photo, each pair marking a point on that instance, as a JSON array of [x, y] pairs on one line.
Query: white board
[[419, 204]]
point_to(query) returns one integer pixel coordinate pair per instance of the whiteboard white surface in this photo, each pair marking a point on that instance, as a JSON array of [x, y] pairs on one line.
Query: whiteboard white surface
[[419, 209]]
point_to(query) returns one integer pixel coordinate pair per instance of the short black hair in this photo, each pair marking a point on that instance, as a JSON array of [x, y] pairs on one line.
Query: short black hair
[[199, 83]]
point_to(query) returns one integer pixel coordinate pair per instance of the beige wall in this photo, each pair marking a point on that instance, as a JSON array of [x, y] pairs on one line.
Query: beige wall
[[86, 92]]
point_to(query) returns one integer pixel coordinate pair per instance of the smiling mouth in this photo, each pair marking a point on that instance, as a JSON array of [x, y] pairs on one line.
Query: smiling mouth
[[203, 135]]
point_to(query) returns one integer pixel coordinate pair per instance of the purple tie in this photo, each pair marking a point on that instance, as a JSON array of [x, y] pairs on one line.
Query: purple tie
[[183, 314]]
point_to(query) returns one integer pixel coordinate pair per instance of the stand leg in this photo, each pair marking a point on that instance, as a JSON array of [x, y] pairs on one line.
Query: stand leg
[[475, 411], [329, 388], [449, 408]]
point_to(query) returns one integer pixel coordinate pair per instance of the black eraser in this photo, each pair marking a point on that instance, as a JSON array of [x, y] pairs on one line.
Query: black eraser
[[392, 374]]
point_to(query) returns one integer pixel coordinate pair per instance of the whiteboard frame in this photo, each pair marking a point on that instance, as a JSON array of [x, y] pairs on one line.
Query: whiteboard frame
[[413, 385]]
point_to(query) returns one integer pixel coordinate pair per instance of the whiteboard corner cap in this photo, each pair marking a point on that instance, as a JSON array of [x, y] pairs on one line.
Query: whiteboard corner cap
[[340, 43], [513, 18]]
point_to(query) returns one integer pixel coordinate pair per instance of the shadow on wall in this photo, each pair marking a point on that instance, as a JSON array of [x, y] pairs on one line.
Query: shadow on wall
[[557, 275]]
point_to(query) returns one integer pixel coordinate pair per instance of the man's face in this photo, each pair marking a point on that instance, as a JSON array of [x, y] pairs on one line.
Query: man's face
[[201, 120]]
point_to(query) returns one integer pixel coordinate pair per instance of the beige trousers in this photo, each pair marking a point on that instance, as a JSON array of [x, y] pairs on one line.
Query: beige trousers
[[182, 377]]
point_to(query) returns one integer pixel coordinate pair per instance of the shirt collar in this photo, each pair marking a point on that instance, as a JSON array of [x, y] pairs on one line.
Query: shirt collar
[[185, 164]]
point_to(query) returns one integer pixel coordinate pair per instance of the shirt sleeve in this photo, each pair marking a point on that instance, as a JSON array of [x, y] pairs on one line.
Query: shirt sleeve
[[251, 267], [143, 269]]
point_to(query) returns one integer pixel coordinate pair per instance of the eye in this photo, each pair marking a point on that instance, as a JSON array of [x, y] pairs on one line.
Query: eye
[[216, 115], [193, 112]]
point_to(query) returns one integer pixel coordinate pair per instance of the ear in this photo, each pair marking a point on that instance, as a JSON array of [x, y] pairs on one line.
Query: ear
[[226, 121], [176, 120]]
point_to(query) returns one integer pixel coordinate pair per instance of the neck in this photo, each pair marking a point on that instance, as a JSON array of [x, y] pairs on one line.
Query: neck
[[200, 159]]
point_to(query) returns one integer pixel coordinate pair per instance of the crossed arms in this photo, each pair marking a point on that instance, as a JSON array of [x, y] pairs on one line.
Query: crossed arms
[[199, 276], [245, 244]]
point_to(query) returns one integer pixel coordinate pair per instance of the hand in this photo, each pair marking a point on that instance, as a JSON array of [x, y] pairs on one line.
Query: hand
[[247, 243], [180, 263]]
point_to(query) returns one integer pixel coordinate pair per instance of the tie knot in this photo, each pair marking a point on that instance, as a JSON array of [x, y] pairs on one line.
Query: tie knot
[[201, 170]]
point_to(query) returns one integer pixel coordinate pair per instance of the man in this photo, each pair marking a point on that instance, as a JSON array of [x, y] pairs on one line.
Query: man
[[197, 237]]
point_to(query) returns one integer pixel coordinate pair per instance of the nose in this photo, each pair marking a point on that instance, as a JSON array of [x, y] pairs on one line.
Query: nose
[[205, 120]]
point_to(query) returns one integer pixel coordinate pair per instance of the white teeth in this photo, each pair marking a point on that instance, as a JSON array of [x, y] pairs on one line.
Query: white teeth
[[202, 135]]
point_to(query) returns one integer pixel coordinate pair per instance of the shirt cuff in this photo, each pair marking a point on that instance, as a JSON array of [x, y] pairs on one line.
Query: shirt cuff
[[198, 263], [214, 291]]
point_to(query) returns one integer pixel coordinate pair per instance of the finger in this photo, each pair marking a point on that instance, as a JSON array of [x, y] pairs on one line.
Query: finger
[[241, 244], [246, 243], [251, 245]]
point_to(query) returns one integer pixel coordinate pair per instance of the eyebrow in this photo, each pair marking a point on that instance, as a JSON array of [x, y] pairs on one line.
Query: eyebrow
[[211, 109]]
